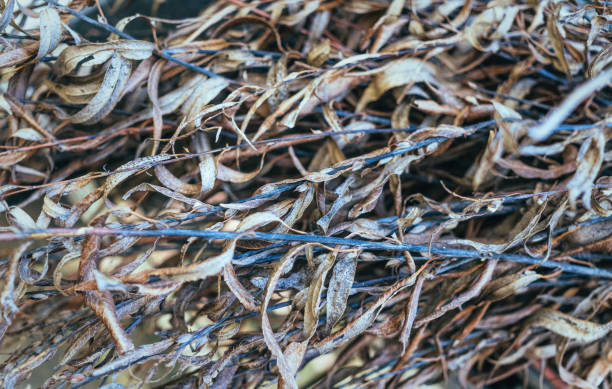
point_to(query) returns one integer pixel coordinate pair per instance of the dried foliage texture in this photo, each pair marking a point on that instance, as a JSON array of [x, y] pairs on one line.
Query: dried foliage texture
[[322, 194]]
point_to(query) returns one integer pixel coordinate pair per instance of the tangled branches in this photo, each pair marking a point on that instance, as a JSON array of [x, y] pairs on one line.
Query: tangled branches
[[307, 194]]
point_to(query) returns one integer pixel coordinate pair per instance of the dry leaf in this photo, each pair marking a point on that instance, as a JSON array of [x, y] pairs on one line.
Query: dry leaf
[[570, 327], [50, 31]]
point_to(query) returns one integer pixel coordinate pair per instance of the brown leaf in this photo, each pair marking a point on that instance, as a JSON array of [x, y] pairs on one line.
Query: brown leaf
[[570, 327], [556, 38], [109, 94], [339, 288], [600, 61], [243, 295], [50, 31], [286, 368], [126, 170], [18, 55], [526, 171], [10, 291], [509, 285], [474, 290], [198, 271], [152, 89], [492, 154], [590, 158], [196, 205], [394, 74], [411, 311], [313, 301], [101, 302], [99, 53], [361, 323], [173, 183]]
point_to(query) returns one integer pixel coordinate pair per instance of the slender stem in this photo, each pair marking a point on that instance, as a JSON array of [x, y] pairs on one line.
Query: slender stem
[[307, 238]]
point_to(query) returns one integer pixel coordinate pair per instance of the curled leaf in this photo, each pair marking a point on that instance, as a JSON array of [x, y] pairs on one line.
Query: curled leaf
[[570, 327], [50, 31], [109, 94], [339, 289], [93, 54]]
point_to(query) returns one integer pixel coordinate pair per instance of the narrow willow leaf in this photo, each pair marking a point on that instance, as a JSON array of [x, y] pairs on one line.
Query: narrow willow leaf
[[339, 288], [243, 295], [7, 14], [557, 39], [411, 312], [133, 356], [364, 320], [600, 61], [23, 221], [509, 285], [57, 273], [569, 326], [76, 93], [54, 210], [130, 168], [212, 266], [16, 56], [208, 173], [285, 367], [395, 74], [195, 204], [101, 302], [98, 53], [109, 94], [174, 183], [27, 134], [590, 158], [311, 310], [25, 368], [227, 174], [10, 291], [152, 91], [50, 31]]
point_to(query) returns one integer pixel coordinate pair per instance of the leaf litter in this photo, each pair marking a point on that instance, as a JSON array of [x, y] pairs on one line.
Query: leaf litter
[[419, 191]]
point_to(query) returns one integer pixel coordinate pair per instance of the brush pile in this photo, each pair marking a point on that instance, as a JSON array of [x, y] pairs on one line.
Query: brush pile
[[330, 193]]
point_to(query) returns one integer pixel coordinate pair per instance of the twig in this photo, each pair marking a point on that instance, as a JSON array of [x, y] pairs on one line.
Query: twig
[[326, 240], [559, 114]]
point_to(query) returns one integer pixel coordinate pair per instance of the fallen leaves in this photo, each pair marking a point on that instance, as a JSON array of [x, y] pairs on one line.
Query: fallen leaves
[[419, 191]]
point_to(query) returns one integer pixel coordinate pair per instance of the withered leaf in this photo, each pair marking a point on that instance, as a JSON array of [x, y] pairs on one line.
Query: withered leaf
[[569, 326], [184, 197], [109, 94], [7, 14], [339, 288], [557, 39], [130, 168], [394, 74], [98, 53], [11, 289], [364, 320], [50, 31], [285, 367], [590, 157], [311, 309]]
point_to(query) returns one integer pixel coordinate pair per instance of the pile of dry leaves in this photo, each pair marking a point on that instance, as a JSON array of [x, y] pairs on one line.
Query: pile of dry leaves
[[331, 193]]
